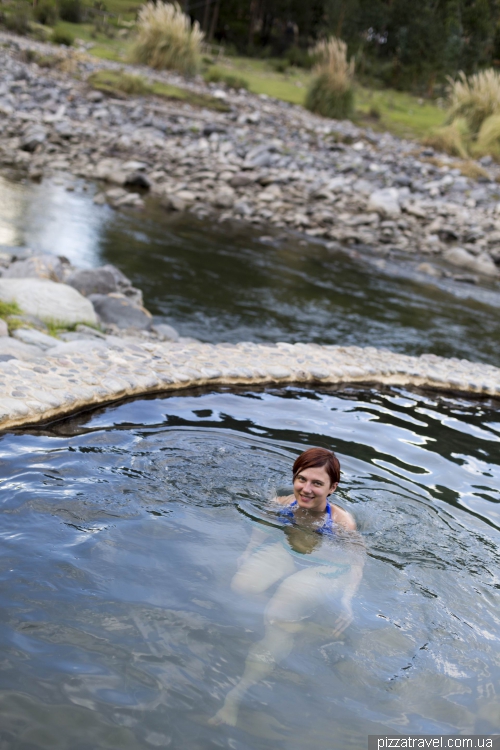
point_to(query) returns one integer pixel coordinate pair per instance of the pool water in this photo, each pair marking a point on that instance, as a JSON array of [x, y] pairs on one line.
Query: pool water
[[123, 530]]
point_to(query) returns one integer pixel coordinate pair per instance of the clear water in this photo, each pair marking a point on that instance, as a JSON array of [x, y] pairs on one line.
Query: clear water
[[121, 534], [223, 283]]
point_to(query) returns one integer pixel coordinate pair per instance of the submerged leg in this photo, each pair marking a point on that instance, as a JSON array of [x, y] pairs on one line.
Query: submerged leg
[[262, 569], [285, 615]]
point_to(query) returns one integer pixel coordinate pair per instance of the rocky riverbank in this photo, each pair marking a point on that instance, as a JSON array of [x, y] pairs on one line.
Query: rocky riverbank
[[71, 338], [263, 161]]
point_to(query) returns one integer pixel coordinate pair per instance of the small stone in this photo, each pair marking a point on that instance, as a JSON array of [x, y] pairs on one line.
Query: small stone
[[430, 270], [481, 263], [165, 332], [385, 202]]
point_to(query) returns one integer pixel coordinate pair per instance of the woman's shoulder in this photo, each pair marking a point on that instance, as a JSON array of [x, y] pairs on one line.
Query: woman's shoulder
[[343, 517]]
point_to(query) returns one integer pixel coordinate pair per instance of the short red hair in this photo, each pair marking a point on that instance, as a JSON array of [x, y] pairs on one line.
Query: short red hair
[[316, 457]]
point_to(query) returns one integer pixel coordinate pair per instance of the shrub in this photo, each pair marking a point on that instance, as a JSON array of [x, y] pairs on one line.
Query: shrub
[[61, 36], [475, 98], [167, 39], [71, 10], [46, 12], [331, 92], [216, 75], [488, 139], [452, 138]]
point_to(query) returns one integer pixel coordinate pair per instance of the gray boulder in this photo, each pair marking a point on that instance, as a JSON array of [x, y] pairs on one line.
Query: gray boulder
[[35, 338], [93, 281], [38, 266], [48, 300], [116, 308], [4, 328]]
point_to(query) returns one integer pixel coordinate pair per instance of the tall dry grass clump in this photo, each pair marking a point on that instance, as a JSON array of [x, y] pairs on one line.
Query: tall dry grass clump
[[331, 92], [475, 97], [166, 38]]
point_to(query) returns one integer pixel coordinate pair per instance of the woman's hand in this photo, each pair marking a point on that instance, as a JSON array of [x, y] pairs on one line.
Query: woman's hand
[[343, 621]]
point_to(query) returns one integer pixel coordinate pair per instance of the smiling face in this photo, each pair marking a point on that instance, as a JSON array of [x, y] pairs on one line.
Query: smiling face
[[311, 488]]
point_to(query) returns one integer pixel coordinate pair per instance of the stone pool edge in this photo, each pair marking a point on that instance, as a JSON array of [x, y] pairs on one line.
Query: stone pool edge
[[79, 375]]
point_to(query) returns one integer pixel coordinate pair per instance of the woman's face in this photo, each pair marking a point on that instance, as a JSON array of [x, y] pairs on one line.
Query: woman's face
[[311, 488]]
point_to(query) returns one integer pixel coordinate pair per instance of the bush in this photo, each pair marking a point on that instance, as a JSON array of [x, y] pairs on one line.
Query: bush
[[61, 36], [46, 12], [452, 138], [71, 11], [475, 98], [488, 139], [18, 19], [216, 75], [167, 39], [331, 92]]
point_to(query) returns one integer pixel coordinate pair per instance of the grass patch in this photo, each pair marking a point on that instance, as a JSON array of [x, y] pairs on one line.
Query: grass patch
[[231, 80], [9, 308], [119, 83], [472, 170]]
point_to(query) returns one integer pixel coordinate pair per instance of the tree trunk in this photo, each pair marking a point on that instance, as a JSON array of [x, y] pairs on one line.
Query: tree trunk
[[215, 18], [206, 15]]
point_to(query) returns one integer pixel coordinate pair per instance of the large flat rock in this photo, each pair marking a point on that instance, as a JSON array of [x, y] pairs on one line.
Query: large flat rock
[[48, 300]]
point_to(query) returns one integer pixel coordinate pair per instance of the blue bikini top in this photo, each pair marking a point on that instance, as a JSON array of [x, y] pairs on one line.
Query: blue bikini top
[[326, 528]]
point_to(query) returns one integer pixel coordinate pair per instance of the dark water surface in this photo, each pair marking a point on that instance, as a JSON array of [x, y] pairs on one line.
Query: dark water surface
[[222, 283], [122, 530]]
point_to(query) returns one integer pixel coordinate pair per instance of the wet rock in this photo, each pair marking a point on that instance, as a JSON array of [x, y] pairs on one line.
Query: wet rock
[[117, 309], [138, 179], [165, 332], [481, 263], [93, 281], [38, 266], [48, 300], [430, 270]]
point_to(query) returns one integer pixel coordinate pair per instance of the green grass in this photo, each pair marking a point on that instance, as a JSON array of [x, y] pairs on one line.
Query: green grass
[[9, 308], [123, 84], [400, 113]]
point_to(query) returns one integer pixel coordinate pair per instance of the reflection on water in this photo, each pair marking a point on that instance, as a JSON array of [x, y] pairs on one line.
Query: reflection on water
[[52, 219], [221, 283], [122, 532]]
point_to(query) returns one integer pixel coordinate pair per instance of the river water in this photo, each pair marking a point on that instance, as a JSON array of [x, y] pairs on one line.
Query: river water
[[123, 530], [225, 283]]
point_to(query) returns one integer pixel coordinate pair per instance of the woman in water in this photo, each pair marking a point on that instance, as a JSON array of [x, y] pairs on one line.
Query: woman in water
[[329, 578]]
